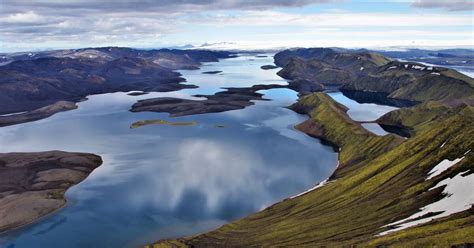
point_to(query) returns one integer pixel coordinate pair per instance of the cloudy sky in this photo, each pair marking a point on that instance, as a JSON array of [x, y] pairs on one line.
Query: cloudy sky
[[49, 24]]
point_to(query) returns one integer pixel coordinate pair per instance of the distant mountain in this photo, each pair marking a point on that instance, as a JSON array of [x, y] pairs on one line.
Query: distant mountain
[[444, 57], [363, 70], [31, 81], [414, 81], [168, 58], [326, 66]]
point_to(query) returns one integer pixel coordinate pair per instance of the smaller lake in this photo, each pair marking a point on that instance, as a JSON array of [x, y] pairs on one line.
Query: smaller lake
[[364, 111]]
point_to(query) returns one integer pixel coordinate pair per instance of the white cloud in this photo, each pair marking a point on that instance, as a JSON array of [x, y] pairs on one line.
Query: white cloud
[[273, 18], [66, 24], [23, 17]]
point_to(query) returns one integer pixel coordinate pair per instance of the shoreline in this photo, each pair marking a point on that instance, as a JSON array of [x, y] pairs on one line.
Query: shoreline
[[34, 184], [26, 225]]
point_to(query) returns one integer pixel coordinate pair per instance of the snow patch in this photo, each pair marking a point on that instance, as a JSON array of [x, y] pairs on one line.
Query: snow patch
[[17, 113], [321, 184], [362, 68], [392, 67], [442, 167], [417, 67], [435, 73], [250, 126], [459, 197]]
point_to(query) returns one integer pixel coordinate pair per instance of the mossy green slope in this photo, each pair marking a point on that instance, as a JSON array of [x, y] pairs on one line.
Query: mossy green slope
[[379, 180], [415, 82], [434, 87], [425, 113], [366, 71]]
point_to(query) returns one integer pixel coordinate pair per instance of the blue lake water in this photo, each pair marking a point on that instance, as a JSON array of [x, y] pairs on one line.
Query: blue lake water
[[162, 181], [363, 111]]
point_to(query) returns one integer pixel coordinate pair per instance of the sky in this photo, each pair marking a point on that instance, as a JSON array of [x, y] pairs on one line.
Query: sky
[[30, 25]]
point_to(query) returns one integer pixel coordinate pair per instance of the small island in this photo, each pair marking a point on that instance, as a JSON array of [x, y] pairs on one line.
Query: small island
[[269, 67], [162, 122], [211, 72], [137, 93]]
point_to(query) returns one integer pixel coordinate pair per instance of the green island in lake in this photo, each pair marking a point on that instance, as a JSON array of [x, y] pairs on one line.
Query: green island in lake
[[161, 122]]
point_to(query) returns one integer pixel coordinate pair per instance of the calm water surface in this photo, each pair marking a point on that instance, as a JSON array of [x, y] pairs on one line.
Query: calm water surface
[[164, 181], [167, 181], [364, 111]]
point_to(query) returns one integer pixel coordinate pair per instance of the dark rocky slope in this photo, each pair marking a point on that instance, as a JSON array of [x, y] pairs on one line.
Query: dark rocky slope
[[365, 71], [31, 84], [36, 81], [168, 58], [445, 57], [416, 82], [327, 66]]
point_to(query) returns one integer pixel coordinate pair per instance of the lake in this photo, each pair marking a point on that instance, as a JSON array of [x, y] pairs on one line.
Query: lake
[[161, 181]]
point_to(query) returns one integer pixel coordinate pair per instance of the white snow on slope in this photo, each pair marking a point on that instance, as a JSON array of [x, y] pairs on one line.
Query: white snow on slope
[[18, 113], [321, 184], [460, 197], [442, 167]]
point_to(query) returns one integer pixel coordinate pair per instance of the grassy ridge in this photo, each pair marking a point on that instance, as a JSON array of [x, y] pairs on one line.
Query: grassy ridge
[[379, 180], [416, 118]]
